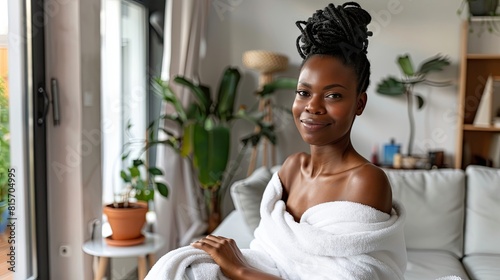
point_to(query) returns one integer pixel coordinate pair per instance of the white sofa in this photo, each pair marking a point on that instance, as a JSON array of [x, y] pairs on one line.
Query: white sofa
[[452, 225]]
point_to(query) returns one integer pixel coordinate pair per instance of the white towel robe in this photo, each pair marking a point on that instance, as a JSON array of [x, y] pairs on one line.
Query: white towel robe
[[333, 240]]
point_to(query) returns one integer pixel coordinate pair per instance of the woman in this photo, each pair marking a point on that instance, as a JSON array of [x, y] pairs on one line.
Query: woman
[[333, 188]]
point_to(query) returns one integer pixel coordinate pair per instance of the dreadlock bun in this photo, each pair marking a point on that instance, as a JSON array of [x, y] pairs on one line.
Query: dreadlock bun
[[333, 29], [341, 32]]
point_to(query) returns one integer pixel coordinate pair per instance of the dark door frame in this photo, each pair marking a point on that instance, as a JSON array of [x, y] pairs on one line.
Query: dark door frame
[[40, 107]]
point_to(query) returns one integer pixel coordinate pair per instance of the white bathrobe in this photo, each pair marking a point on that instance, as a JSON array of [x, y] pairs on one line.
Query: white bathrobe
[[333, 240]]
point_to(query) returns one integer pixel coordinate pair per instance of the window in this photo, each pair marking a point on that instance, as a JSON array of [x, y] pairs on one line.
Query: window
[[124, 86]]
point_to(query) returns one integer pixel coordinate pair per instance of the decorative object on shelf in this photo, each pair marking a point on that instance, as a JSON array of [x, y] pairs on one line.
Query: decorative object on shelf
[[204, 134], [479, 59], [484, 10], [479, 7], [392, 86], [489, 105], [267, 63], [390, 149]]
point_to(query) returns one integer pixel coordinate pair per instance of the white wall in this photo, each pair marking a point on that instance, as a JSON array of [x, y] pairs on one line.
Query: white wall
[[421, 28]]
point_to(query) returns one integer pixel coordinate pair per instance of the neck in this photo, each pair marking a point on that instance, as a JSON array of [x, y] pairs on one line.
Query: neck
[[330, 159]]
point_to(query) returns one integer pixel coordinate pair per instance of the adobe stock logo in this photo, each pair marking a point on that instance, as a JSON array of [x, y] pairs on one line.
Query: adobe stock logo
[[383, 17]]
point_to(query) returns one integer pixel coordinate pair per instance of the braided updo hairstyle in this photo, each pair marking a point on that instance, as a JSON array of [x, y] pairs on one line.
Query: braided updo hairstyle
[[340, 32]]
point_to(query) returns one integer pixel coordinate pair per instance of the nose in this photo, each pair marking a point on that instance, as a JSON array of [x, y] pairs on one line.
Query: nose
[[315, 106]]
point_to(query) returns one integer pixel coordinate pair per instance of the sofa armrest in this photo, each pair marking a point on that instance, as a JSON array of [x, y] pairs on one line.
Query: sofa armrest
[[233, 226]]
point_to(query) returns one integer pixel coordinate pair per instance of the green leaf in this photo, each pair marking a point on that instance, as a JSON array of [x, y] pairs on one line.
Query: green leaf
[[200, 92], [138, 162], [144, 194], [134, 171], [420, 101], [433, 64], [163, 89], [140, 185], [125, 156], [391, 86], [126, 178], [227, 93], [155, 171], [162, 189], [277, 84], [406, 65], [211, 153], [187, 141]]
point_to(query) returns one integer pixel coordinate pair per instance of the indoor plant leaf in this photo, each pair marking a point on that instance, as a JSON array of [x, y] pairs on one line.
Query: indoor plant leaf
[[210, 153], [436, 63], [405, 64], [420, 101], [200, 92], [187, 141], [227, 93], [278, 83], [155, 171], [145, 194], [391, 86], [162, 189], [163, 89]]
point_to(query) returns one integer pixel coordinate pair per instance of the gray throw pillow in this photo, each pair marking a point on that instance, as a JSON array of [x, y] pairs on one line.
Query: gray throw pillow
[[247, 194]]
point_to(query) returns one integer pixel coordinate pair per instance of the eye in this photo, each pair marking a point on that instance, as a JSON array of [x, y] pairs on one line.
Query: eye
[[334, 95], [302, 93]]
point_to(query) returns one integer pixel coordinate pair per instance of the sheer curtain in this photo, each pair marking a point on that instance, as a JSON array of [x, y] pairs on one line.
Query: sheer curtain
[[182, 216]]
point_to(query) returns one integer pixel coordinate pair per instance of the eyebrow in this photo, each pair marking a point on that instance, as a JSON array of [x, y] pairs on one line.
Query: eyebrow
[[325, 88]]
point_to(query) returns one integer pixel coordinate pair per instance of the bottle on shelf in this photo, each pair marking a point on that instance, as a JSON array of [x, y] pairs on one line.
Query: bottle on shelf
[[390, 150], [397, 159]]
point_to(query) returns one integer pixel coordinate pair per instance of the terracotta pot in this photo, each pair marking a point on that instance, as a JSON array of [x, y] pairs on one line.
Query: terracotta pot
[[126, 223]]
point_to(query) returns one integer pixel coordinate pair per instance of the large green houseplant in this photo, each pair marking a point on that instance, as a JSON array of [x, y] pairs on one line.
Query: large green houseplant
[[411, 77], [201, 131]]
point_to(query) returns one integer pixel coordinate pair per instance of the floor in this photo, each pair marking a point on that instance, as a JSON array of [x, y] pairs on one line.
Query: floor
[[5, 274]]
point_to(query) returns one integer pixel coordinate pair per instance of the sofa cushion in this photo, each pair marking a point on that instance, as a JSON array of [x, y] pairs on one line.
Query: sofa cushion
[[247, 194], [482, 233], [484, 267], [433, 265], [434, 202], [234, 227]]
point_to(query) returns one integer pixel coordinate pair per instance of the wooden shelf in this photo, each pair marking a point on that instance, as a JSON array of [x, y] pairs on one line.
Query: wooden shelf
[[476, 144], [482, 56], [484, 18], [471, 127]]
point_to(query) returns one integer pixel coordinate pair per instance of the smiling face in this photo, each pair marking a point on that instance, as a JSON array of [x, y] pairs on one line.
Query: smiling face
[[327, 101]]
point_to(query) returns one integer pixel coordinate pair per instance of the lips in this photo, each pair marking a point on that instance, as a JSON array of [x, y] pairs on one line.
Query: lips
[[311, 124]]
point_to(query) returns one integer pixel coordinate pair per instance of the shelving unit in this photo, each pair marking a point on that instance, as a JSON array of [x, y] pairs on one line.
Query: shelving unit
[[476, 144]]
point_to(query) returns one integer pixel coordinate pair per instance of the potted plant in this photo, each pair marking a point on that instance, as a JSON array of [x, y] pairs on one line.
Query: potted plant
[[4, 155], [481, 8], [205, 132], [392, 86], [128, 215]]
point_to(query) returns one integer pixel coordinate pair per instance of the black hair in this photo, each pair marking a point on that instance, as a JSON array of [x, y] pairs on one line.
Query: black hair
[[340, 32]]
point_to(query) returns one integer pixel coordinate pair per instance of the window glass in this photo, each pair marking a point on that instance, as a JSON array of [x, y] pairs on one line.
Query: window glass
[[124, 87]]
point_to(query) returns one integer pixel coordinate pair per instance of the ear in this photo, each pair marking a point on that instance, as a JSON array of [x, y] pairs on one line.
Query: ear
[[362, 98]]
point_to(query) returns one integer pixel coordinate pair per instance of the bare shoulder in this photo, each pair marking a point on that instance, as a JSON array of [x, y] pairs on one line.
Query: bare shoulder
[[369, 185], [290, 168]]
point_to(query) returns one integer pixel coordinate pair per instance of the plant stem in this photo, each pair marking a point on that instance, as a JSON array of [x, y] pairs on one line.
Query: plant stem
[[409, 95]]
